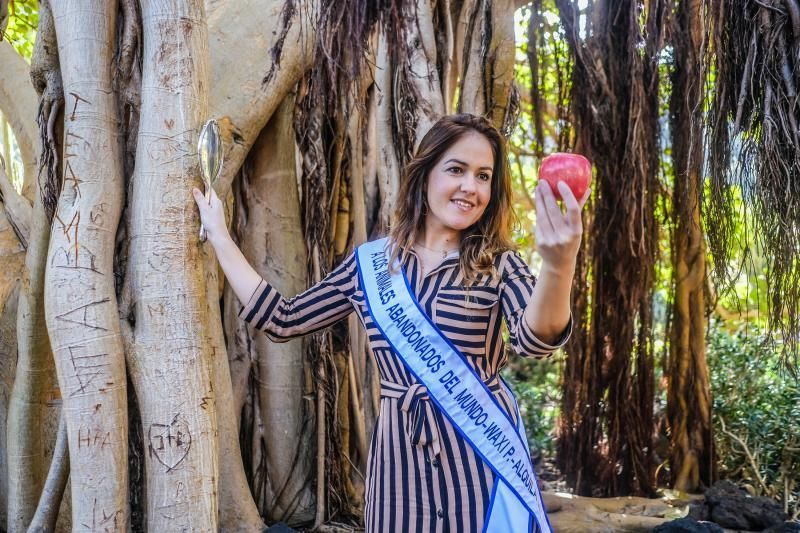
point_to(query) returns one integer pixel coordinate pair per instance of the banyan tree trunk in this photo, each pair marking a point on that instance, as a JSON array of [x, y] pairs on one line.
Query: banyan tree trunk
[[270, 380], [34, 404], [80, 304], [692, 465], [169, 357], [12, 256]]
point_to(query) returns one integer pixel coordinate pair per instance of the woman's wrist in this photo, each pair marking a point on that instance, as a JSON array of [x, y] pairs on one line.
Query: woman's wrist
[[566, 271], [220, 241]]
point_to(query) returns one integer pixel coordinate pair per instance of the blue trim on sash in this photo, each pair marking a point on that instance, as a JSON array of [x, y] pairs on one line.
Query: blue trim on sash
[[524, 446], [510, 394], [488, 516]]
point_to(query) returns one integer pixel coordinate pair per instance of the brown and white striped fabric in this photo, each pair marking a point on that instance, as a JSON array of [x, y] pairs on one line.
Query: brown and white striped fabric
[[421, 475]]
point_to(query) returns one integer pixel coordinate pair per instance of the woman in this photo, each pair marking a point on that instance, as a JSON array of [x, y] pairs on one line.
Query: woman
[[452, 235]]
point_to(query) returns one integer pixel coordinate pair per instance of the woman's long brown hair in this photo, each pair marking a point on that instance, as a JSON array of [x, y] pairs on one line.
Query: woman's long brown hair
[[489, 236]]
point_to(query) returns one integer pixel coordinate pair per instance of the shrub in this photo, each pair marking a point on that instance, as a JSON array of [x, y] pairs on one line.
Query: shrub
[[756, 410], [537, 389]]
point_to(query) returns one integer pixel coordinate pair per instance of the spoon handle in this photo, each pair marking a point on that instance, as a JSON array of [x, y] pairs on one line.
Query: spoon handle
[[203, 233]]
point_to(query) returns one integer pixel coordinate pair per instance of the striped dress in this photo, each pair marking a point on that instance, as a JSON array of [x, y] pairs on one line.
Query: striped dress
[[421, 474]]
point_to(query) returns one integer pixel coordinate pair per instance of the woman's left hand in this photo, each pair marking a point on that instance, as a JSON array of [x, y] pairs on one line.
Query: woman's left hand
[[558, 234]]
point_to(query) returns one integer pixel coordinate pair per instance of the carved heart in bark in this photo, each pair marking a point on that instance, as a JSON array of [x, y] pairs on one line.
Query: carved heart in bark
[[170, 443]]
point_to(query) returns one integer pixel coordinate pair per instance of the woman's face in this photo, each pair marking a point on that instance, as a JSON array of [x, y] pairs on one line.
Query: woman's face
[[460, 184]]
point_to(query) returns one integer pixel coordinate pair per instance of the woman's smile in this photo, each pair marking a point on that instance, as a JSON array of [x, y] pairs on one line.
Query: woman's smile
[[463, 205]]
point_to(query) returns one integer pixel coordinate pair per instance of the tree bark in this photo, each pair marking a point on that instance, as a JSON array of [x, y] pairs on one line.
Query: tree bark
[[389, 161], [80, 303], [237, 508], [359, 165], [423, 73], [486, 36], [35, 397], [18, 211], [170, 358], [370, 382], [46, 516]]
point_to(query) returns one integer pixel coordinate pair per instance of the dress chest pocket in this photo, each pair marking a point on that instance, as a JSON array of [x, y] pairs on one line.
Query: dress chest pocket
[[465, 317], [468, 306]]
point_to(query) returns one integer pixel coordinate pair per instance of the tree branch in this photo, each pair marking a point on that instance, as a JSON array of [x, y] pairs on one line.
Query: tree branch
[[18, 102], [750, 457], [18, 210], [237, 72]]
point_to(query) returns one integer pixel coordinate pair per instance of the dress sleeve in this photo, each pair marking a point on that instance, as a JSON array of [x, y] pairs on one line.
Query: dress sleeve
[[312, 310], [516, 287]]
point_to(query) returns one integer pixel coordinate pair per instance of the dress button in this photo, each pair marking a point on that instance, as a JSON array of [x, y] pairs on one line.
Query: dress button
[[435, 462], [440, 514]]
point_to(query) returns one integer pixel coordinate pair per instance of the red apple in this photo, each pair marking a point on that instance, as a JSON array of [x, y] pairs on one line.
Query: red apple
[[573, 169]]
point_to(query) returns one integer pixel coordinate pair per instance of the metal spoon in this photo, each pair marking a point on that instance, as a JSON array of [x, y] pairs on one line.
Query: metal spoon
[[209, 151]]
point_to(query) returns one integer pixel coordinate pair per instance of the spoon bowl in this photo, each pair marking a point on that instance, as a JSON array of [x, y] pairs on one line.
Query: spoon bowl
[[210, 154]]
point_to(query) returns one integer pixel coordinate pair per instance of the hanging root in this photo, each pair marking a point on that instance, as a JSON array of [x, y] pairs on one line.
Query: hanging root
[[756, 71], [605, 434], [46, 77], [50, 501], [327, 98]]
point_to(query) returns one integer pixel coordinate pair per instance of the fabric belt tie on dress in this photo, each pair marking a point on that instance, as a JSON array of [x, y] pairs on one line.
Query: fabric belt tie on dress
[[422, 429]]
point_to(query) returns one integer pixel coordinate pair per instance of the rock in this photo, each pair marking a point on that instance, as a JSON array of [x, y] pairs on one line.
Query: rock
[[552, 504], [733, 508], [688, 525], [279, 527], [699, 511], [786, 527], [722, 491], [728, 514]]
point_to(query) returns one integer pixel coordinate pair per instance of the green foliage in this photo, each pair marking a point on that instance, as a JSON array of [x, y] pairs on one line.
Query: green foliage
[[747, 292], [536, 387], [22, 24], [759, 404]]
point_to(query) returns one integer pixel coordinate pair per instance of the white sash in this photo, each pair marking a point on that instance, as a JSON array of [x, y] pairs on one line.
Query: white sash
[[457, 390]]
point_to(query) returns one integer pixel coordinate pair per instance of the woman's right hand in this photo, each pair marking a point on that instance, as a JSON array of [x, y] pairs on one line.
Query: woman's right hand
[[212, 215]]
